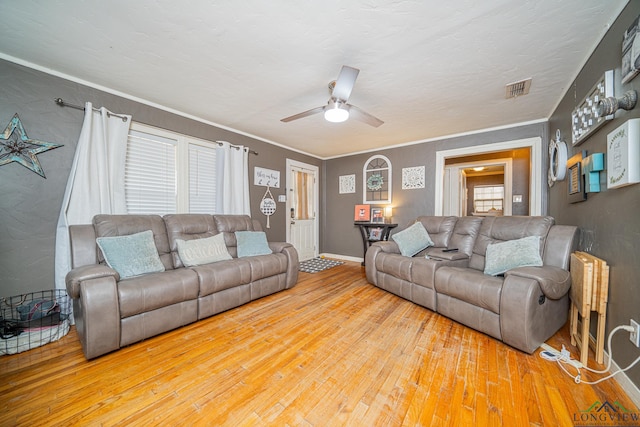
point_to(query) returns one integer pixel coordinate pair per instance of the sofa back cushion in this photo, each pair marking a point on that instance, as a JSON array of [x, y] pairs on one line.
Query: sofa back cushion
[[187, 227], [465, 233], [125, 225], [440, 228], [229, 224], [503, 228]]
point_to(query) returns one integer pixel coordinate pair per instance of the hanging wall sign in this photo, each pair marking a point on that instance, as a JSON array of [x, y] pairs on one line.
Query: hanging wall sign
[[266, 177], [16, 146]]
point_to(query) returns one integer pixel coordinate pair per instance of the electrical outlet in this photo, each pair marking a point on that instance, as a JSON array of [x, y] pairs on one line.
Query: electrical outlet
[[635, 335]]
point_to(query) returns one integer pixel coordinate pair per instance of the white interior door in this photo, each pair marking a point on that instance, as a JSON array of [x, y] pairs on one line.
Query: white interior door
[[302, 206], [455, 191]]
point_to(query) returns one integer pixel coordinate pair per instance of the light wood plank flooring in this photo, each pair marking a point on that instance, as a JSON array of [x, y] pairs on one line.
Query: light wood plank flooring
[[333, 350]]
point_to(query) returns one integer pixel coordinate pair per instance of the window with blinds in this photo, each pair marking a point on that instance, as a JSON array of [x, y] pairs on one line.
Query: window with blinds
[[487, 198], [202, 179], [166, 172]]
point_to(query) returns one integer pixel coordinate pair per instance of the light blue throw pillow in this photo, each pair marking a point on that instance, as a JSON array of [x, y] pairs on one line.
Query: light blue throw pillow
[[502, 257], [413, 239], [131, 255], [251, 243], [202, 251]]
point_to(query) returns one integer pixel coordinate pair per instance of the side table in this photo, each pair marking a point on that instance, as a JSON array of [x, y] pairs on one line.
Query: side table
[[381, 233]]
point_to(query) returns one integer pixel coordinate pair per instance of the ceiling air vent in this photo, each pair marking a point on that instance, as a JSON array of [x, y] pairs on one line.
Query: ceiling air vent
[[517, 88]]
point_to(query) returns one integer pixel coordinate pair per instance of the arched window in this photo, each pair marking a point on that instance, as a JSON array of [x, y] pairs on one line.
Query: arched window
[[376, 178]]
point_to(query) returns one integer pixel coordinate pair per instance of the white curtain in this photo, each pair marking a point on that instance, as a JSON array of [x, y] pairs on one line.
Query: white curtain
[[96, 179], [233, 176]]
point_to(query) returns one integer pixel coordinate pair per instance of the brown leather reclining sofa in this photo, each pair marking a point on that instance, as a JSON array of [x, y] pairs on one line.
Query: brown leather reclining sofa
[[111, 312], [523, 307]]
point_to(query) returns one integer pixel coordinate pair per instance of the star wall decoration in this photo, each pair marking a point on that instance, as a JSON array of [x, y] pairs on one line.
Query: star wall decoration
[[16, 146]]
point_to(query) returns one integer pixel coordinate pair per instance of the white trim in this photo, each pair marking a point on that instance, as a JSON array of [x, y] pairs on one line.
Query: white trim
[[625, 382], [145, 102], [342, 257], [439, 138], [535, 182], [507, 164]]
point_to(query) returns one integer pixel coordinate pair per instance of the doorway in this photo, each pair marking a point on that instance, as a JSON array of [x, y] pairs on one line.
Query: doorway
[[302, 207], [535, 170], [461, 179]]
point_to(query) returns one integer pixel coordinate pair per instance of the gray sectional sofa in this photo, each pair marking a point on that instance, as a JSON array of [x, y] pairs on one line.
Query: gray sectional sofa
[[111, 311], [522, 306]]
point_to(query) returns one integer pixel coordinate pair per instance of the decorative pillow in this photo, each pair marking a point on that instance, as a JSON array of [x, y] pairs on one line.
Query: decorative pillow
[[502, 257], [413, 239], [252, 243], [131, 255], [202, 251]]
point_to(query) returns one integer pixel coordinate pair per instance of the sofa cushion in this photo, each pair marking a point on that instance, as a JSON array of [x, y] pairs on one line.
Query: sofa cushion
[[107, 225], [413, 239], [187, 227], [252, 243], [502, 257], [394, 264], [202, 251], [223, 275], [131, 255], [504, 228], [149, 292], [470, 286], [440, 228]]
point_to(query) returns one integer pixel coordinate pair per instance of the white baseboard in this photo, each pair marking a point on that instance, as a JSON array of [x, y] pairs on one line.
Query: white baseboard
[[625, 382], [342, 257]]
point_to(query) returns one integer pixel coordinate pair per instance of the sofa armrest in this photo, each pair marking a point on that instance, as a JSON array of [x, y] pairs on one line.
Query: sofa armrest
[[386, 246], [78, 275], [527, 317], [96, 308], [293, 263], [554, 281]]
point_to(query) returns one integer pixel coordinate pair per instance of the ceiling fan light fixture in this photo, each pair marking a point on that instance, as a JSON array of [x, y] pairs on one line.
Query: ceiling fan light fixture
[[334, 113]]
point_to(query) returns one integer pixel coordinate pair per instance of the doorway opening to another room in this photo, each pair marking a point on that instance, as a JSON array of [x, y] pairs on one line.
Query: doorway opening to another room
[[526, 197]]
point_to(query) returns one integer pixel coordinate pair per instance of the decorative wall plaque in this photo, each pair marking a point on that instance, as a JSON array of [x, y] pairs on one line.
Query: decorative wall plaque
[[585, 118], [16, 146], [266, 177], [623, 155], [413, 178], [347, 184]]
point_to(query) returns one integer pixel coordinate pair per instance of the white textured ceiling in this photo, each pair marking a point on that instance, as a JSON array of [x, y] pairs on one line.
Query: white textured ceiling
[[427, 68]]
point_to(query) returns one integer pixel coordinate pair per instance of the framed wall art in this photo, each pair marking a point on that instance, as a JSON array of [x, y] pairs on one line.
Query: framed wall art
[[347, 184], [623, 155], [376, 176], [575, 179]]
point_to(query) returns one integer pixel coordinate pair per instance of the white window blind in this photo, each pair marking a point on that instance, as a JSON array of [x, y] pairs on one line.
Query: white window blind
[[488, 197], [150, 174], [202, 179]]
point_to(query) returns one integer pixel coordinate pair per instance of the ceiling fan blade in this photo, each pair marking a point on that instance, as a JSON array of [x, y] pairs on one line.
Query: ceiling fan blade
[[303, 114], [363, 116], [344, 84]]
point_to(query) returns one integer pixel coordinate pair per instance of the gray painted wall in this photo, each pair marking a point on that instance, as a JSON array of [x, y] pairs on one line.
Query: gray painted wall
[[610, 219], [342, 237], [30, 205]]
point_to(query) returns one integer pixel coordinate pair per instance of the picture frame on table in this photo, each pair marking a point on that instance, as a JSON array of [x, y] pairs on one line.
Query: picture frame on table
[[375, 234], [362, 213], [377, 215]]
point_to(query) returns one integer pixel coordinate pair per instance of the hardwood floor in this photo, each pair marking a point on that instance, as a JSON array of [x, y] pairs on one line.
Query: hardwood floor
[[333, 350]]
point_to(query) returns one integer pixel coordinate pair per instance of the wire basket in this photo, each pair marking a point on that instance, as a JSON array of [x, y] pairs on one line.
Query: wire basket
[[30, 320]]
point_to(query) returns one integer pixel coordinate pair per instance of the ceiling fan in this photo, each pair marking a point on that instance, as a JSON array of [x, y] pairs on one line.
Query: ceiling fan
[[337, 110]]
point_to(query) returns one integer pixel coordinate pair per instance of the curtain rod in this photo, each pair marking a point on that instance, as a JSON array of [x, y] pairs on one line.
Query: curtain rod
[[63, 103], [237, 147]]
